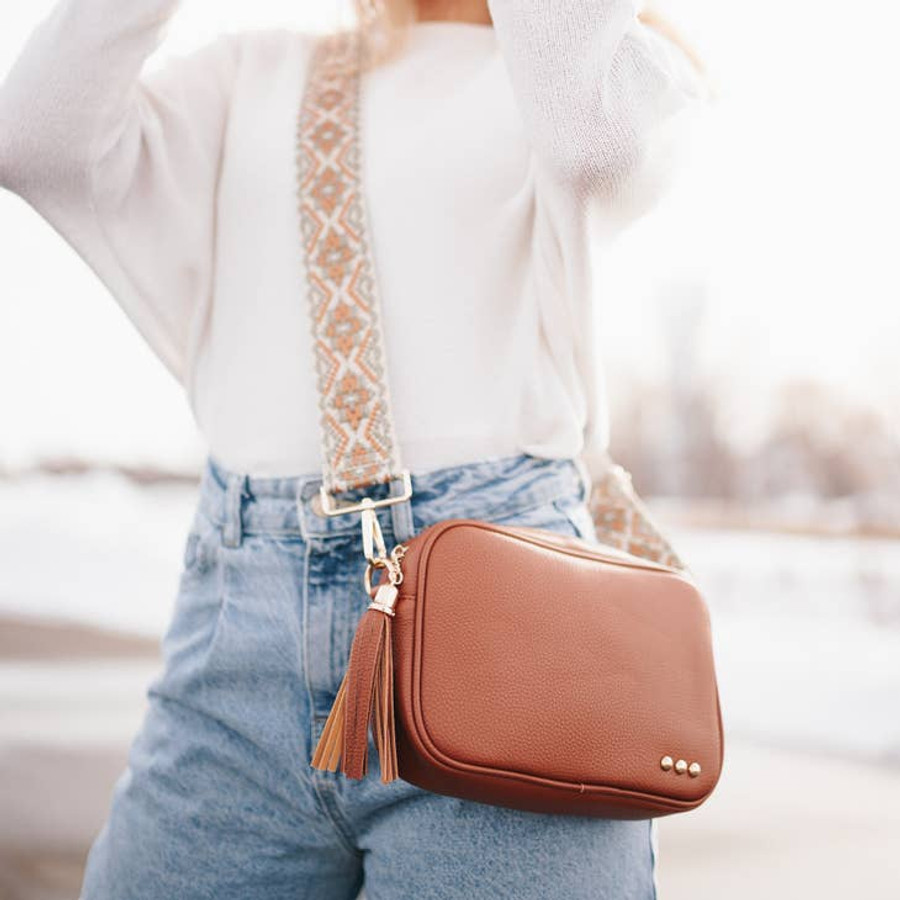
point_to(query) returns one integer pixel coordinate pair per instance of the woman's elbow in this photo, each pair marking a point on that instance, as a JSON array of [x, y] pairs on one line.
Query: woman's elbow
[[35, 156], [600, 160], [11, 151]]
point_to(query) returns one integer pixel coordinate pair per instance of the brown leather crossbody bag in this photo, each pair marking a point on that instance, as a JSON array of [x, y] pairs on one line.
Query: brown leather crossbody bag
[[507, 665]]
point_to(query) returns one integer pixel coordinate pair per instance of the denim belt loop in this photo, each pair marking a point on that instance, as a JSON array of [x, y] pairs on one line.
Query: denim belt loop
[[401, 515], [236, 489]]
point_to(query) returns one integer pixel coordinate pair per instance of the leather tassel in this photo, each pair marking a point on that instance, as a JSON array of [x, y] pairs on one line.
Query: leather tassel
[[328, 751], [364, 700], [384, 729]]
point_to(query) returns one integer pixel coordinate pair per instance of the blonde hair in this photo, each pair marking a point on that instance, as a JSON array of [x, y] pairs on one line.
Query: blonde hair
[[654, 19], [384, 28]]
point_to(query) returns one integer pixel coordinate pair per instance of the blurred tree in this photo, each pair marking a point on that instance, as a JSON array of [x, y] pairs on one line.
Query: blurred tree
[[820, 447], [668, 434]]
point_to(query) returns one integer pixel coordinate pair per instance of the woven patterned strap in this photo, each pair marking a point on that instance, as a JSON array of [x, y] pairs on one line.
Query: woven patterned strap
[[622, 519], [358, 440], [359, 446]]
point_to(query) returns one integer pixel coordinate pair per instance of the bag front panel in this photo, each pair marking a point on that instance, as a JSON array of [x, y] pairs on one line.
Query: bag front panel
[[592, 688]]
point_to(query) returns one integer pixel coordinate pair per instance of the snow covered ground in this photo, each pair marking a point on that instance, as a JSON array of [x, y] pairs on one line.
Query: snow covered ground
[[806, 630]]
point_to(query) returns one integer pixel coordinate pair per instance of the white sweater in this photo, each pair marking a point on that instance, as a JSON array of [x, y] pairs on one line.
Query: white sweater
[[491, 155]]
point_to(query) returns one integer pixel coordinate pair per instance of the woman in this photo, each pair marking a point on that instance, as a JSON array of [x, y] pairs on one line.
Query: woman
[[498, 135]]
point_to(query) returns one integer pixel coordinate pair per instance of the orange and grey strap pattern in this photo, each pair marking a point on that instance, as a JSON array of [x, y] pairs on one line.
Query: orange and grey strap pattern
[[358, 440], [360, 447], [621, 518]]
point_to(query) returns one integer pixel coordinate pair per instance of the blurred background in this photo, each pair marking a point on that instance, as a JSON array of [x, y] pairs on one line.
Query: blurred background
[[750, 330]]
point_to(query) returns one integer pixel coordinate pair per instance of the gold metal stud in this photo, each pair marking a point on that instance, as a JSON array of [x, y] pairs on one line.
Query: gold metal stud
[[666, 763], [694, 769], [681, 766]]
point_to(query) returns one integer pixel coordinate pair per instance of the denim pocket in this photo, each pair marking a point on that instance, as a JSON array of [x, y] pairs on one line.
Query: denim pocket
[[190, 550], [200, 546], [194, 620]]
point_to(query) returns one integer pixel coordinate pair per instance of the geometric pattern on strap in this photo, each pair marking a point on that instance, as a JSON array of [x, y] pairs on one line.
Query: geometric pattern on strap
[[622, 519], [359, 445], [358, 440]]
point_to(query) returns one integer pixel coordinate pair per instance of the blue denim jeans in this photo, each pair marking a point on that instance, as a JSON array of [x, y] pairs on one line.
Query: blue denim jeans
[[219, 799]]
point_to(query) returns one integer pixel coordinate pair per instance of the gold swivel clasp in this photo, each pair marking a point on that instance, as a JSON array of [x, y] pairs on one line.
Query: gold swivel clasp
[[376, 552]]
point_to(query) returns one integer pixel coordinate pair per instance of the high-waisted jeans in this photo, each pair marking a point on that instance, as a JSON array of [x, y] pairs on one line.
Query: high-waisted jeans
[[219, 800]]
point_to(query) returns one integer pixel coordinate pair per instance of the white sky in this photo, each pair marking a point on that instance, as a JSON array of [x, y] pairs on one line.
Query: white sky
[[787, 209]]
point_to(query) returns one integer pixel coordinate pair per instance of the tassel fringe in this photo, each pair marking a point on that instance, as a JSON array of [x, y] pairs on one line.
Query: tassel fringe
[[384, 727], [364, 701], [328, 750]]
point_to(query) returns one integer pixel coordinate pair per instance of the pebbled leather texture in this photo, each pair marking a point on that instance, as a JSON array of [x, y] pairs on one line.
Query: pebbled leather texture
[[537, 671]]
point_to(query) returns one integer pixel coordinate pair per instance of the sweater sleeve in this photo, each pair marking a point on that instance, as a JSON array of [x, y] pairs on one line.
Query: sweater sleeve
[[601, 96], [124, 166], [600, 93]]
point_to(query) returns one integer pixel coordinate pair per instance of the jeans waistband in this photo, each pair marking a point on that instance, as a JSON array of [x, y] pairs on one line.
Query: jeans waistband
[[281, 506]]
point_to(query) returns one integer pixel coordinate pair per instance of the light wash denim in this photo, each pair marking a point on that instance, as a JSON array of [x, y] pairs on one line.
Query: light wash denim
[[219, 799]]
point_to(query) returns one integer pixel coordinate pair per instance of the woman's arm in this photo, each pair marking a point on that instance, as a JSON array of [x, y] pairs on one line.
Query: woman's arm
[[124, 167], [598, 90]]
